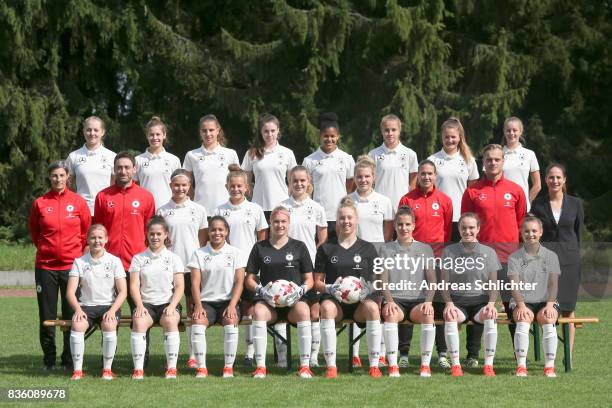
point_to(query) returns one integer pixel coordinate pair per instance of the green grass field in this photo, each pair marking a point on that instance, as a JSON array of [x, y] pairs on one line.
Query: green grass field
[[587, 385], [17, 257]]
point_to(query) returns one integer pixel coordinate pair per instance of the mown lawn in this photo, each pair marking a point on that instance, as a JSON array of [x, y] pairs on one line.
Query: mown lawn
[[16, 257]]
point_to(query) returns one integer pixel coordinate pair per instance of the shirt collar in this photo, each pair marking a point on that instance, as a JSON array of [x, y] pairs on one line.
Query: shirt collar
[[214, 252], [184, 204], [273, 149], [394, 150], [94, 261], [489, 182], [429, 194], [332, 154], [507, 150], [361, 199], [526, 255], [237, 206], [151, 255], [447, 156], [94, 152], [205, 151], [152, 156], [296, 203]]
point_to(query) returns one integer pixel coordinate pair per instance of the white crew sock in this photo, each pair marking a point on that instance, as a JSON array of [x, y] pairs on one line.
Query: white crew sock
[[328, 338], [374, 335], [490, 340], [77, 347], [248, 341], [189, 345], [549, 339], [198, 344], [451, 335], [304, 331], [521, 343], [109, 346], [138, 342], [281, 348], [356, 333], [391, 339], [260, 342], [172, 344], [428, 337], [230, 344], [316, 342]]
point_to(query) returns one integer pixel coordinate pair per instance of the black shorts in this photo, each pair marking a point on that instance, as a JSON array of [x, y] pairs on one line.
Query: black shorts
[[156, 311], [470, 310], [214, 311], [311, 297], [282, 313], [348, 311], [407, 306], [96, 313], [187, 279], [247, 296], [534, 307]]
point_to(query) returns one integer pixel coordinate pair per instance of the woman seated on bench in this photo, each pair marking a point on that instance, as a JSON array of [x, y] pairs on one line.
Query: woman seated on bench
[[101, 279], [536, 265], [156, 286]]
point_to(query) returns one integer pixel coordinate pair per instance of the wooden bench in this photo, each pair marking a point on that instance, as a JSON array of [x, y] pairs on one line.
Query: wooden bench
[[348, 323]]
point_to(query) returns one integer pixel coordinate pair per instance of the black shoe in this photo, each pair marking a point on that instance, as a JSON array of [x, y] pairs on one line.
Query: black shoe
[[49, 367], [247, 362]]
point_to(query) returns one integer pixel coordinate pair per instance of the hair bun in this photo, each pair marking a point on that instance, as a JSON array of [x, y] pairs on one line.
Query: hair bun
[[155, 118], [234, 167], [328, 117]]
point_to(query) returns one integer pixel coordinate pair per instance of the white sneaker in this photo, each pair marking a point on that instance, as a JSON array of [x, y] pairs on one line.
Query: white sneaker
[[443, 362], [314, 363], [404, 362]]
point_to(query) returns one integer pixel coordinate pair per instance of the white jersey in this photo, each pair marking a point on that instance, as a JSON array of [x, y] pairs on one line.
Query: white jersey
[[393, 168], [306, 216], [97, 278], [453, 174], [156, 275], [372, 211], [153, 173], [93, 170], [184, 221], [210, 170], [329, 173], [218, 269], [244, 219], [518, 164], [270, 174]]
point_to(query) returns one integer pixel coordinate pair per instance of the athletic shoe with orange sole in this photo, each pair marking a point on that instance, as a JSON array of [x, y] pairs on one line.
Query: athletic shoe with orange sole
[[521, 371], [138, 375], [77, 375], [394, 371], [332, 372], [356, 362], [260, 372], [550, 372], [425, 371], [375, 372], [171, 374], [488, 371], [228, 372], [305, 372], [456, 371], [201, 372], [108, 375], [192, 363]]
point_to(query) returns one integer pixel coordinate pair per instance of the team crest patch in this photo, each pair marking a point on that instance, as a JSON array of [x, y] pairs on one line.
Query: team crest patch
[[507, 196], [267, 259], [108, 267], [38, 288], [70, 208], [229, 258], [435, 206], [289, 257], [135, 203], [357, 258], [334, 259], [166, 260]]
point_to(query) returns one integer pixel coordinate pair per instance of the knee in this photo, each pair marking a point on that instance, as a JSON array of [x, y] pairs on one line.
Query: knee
[[259, 311], [328, 309], [107, 327], [371, 310], [80, 326], [302, 311]]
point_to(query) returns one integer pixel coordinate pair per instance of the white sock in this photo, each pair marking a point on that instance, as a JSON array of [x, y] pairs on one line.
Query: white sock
[[304, 331], [383, 348], [198, 344], [172, 344], [549, 338], [230, 344], [328, 338], [139, 345], [451, 335], [428, 337], [248, 341], [316, 341], [77, 347], [109, 346], [521, 343], [374, 336], [356, 333], [260, 342], [490, 340], [189, 345], [281, 348], [390, 336]]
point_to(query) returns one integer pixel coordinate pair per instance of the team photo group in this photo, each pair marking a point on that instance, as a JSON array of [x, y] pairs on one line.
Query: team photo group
[[257, 243]]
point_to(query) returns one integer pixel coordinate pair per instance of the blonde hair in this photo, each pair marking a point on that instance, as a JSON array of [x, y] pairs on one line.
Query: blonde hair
[[279, 209], [520, 122], [155, 121], [212, 118], [94, 227], [464, 149], [347, 202], [365, 162], [294, 170], [389, 118], [491, 146], [236, 171]]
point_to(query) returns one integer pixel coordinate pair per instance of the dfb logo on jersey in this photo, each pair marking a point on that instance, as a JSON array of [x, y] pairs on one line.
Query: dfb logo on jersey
[[135, 203], [507, 196], [435, 206], [70, 208], [289, 258], [357, 260]]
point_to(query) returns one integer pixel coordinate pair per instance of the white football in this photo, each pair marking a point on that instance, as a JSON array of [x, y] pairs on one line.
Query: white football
[[281, 290], [350, 289]]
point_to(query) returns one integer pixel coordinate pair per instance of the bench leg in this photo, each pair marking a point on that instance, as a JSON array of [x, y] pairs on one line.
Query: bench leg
[[288, 347], [536, 341], [286, 341], [566, 348], [350, 347]]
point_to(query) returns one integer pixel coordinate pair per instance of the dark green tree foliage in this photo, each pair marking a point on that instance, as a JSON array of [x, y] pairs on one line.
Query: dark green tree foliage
[[60, 61]]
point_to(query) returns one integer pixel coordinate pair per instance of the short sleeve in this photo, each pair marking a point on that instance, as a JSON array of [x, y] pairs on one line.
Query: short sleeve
[[253, 262], [414, 162], [188, 164], [240, 258], [261, 223], [69, 163], [533, 163], [247, 163], [203, 217], [177, 264], [194, 261], [321, 217], [75, 270], [118, 269], [135, 266], [234, 157], [388, 210], [473, 170], [553, 266], [305, 261], [320, 260], [371, 254], [291, 162], [493, 261], [350, 168], [217, 211], [176, 163], [513, 269], [308, 164], [372, 155]]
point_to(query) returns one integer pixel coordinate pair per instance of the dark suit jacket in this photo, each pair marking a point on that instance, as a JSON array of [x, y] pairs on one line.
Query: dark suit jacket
[[564, 237]]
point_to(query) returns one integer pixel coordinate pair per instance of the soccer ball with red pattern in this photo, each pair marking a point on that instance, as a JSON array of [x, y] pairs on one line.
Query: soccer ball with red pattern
[[350, 290], [281, 290]]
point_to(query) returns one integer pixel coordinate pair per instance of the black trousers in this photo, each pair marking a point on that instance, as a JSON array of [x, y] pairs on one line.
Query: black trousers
[[48, 283]]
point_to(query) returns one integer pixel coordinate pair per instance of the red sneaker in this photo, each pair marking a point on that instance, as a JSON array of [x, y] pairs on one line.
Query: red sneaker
[[107, 374], [357, 362], [305, 372], [171, 374], [201, 372], [332, 372], [375, 372], [382, 361], [260, 372], [550, 372], [138, 375], [192, 363], [425, 371], [456, 371], [77, 375], [228, 372], [394, 371], [521, 371], [488, 371]]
